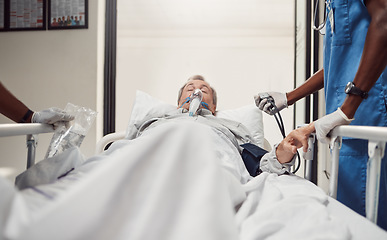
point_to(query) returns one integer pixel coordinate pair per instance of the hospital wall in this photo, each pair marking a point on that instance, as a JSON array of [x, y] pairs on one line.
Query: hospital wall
[[50, 69]]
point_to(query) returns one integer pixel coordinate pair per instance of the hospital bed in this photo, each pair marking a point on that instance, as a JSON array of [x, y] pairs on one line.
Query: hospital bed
[[377, 137], [358, 226]]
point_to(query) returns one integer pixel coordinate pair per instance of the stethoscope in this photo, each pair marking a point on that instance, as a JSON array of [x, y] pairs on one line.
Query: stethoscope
[[321, 27]]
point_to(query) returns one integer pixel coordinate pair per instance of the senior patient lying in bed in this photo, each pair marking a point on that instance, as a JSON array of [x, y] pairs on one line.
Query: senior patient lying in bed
[[234, 133], [175, 177]]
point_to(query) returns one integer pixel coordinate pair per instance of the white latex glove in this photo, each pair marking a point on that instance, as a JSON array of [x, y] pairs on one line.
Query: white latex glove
[[280, 101], [325, 124], [54, 116]]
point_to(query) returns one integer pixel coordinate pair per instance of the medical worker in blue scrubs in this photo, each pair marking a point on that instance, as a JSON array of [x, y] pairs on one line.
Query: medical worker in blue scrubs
[[354, 78]]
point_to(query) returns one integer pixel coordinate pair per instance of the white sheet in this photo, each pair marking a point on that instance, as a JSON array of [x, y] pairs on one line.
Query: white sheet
[[287, 207], [161, 186]]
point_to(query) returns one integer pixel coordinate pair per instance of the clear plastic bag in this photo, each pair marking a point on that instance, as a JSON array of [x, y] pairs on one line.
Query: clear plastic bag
[[65, 138]]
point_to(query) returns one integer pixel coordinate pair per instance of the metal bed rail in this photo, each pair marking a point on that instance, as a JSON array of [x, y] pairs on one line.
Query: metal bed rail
[[28, 129], [108, 138], [377, 138]]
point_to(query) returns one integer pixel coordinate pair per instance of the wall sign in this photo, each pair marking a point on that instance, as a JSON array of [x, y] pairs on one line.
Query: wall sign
[[22, 15], [64, 14], [19, 15]]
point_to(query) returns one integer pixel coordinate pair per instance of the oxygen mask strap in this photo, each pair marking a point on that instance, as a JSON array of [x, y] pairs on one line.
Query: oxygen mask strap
[[205, 105], [186, 100]]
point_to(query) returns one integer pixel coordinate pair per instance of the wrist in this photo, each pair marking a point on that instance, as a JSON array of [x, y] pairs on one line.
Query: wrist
[[350, 105], [27, 118], [289, 98], [283, 155]]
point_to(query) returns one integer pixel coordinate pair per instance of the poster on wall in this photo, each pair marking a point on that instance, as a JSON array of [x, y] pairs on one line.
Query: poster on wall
[[18, 15], [67, 14]]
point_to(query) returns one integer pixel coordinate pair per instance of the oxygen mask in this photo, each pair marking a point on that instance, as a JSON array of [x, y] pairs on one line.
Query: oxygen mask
[[195, 102]]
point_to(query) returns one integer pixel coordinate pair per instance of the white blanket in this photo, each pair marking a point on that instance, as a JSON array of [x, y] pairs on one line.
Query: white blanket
[[287, 207], [170, 183]]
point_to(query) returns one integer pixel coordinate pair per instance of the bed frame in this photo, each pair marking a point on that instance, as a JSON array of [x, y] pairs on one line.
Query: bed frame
[[376, 136], [30, 130]]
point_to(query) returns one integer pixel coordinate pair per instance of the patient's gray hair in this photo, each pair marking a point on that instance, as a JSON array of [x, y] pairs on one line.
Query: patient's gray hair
[[198, 77]]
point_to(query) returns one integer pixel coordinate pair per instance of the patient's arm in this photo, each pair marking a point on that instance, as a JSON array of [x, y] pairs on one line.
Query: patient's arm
[[296, 139], [282, 157]]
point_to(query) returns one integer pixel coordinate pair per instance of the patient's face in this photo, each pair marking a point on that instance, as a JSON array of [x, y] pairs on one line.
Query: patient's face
[[206, 90]]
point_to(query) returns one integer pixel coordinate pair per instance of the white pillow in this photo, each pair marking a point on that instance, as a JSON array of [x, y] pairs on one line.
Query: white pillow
[[250, 116], [144, 104]]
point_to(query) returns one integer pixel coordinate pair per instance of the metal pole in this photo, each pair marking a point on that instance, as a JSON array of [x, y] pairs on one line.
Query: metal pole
[[335, 148], [31, 145], [375, 153], [309, 156]]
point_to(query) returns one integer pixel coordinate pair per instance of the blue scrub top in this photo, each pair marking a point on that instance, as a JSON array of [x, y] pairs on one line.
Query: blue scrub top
[[342, 54]]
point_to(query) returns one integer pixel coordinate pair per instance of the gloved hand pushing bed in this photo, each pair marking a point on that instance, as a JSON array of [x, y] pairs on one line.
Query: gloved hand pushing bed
[[17, 111], [325, 124], [54, 116]]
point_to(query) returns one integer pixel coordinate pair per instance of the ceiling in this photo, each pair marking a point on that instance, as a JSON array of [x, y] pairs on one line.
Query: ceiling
[[206, 15]]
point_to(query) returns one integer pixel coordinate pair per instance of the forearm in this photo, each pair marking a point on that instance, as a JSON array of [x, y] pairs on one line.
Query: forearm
[[374, 56], [11, 107], [313, 84]]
